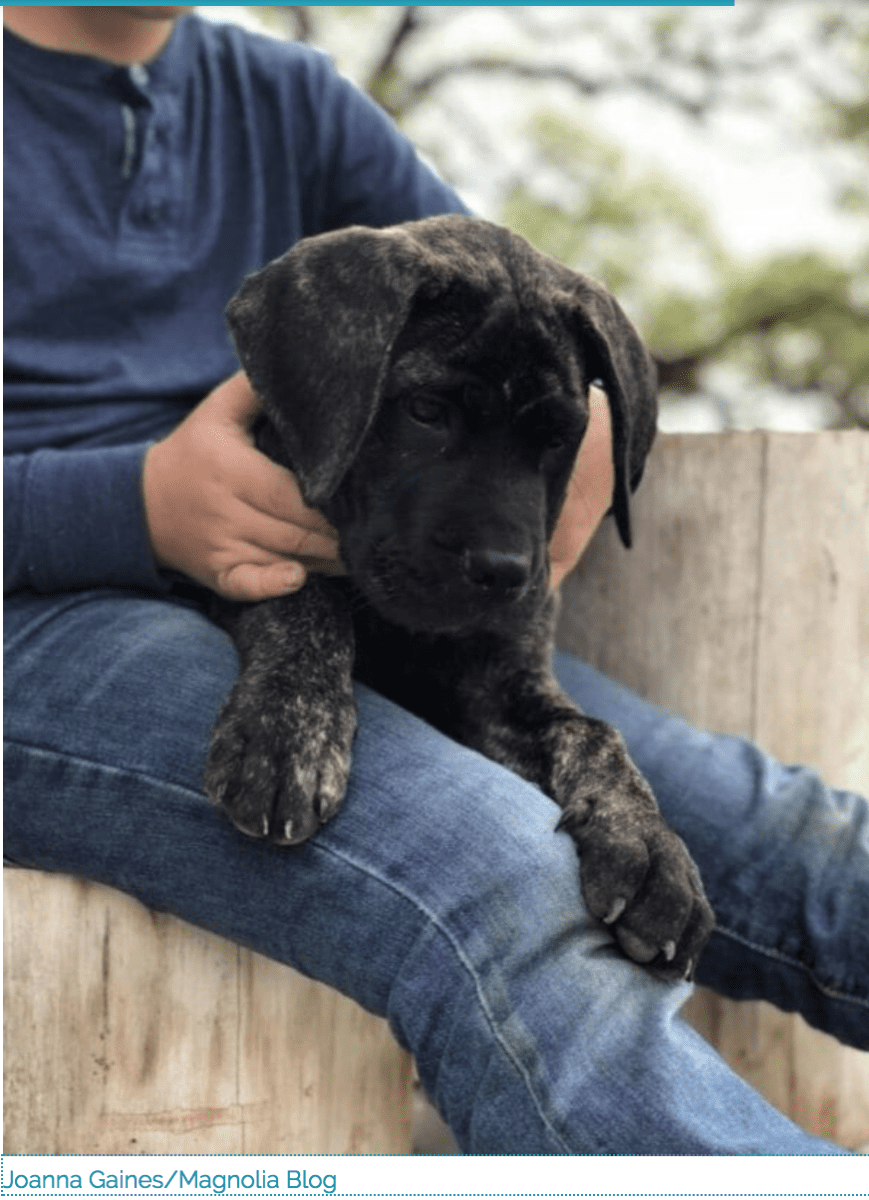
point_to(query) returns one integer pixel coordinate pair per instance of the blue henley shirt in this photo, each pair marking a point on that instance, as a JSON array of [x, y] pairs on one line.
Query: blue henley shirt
[[135, 200]]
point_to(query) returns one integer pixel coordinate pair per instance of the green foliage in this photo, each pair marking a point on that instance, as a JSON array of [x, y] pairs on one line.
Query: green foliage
[[609, 220], [679, 326], [795, 322]]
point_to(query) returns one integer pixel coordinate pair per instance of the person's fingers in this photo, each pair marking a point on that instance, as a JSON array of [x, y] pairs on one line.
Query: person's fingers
[[233, 402], [259, 581], [224, 513], [281, 538], [274, 491]]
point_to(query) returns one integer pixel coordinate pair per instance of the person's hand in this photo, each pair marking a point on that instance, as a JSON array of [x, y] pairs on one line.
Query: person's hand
[[223, 513], [589, 493]]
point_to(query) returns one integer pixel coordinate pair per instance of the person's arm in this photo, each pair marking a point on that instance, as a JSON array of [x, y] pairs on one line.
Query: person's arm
[[202, 501], [73, 519], [589, 493]]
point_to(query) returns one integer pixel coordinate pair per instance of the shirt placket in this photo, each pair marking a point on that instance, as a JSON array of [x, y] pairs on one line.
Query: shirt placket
[[149, 215]]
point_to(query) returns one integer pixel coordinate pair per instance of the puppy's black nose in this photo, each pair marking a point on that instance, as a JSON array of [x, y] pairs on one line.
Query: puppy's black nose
[[496, 570]]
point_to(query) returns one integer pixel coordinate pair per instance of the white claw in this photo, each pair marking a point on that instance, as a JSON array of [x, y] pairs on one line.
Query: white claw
[[689, 969], [616, 910], [288, 831], [264, 826], [669, 951]]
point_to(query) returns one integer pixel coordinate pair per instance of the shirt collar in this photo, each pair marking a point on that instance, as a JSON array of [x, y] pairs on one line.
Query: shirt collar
[[80, 70]]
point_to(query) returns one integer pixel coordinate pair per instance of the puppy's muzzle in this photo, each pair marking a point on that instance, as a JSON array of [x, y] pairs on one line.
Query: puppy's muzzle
[[496, 572]]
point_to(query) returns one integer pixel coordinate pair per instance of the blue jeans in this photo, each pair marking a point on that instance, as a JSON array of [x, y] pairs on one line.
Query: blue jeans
[[440, 897]]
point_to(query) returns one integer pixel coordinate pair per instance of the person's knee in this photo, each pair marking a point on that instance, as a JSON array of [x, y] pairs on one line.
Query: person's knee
[[174, 670], [177, 656], [131, 681], [479, 843], [465, 813]]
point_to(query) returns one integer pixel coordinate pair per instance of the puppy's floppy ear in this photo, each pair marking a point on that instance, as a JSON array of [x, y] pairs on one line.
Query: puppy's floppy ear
[[615, 354], [313, 330]]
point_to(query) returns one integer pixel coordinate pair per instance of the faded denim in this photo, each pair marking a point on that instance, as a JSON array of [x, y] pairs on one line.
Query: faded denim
[[440, 897]]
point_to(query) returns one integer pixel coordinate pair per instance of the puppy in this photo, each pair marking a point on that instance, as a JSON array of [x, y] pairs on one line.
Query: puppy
[[428, 385]]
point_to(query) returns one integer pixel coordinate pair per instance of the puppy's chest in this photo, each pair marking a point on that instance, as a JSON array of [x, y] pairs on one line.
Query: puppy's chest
[[418, 673], [445, 679]]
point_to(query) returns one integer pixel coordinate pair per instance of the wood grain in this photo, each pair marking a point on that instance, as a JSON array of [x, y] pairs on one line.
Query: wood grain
[[131, 1032]]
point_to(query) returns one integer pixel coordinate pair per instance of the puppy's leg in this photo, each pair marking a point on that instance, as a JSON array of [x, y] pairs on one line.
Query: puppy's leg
[[636, 874], [496, 693], [281, 749]]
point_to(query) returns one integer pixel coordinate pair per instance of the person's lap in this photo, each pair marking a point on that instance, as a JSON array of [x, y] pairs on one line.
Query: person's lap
[[439, 896]]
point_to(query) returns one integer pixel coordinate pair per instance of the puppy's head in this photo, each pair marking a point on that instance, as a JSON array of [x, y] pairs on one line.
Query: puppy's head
[[428, 384]]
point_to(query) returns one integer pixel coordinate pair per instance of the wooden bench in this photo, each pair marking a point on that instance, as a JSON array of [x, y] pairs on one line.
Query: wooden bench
[[744, 605]]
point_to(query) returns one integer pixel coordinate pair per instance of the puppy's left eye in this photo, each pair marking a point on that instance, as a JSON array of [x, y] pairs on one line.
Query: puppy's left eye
[[547, 439], [429, 410], [555, 441]]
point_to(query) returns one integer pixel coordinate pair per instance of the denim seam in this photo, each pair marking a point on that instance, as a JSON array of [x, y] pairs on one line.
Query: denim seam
[[133, 772], [466, 963], [779, 956]]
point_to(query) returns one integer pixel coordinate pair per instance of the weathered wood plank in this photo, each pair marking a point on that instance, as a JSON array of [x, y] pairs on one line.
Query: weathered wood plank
[[812, 674], [345, 1086], [130, 1032], [673, 617], [812, 688], [744, 606]]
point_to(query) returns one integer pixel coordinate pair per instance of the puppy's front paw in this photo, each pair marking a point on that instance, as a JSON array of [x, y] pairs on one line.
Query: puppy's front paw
[[638, 877], [280, 769]]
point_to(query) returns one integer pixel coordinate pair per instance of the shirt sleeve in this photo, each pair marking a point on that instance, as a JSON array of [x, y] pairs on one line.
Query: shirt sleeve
[[75, 519], [365, 170]]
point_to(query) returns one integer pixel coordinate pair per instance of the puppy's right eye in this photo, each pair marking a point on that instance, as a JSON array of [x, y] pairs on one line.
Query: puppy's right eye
[[428, 410]]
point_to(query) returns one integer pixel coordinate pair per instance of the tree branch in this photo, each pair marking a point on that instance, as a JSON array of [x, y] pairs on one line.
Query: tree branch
[[417, 90], [682, 371], [386, 70], [302, 23]]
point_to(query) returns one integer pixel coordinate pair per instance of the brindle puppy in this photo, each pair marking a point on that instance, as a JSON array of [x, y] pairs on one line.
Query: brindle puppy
[[428, 384]]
